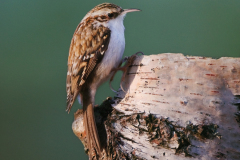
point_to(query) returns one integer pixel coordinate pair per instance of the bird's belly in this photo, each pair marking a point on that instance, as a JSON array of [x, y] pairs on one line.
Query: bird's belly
[[112, 57]]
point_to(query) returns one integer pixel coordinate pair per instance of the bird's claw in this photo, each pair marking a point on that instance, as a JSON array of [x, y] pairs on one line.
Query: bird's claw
[[138, 53], [110, 85], [128, 62], [122, 87]]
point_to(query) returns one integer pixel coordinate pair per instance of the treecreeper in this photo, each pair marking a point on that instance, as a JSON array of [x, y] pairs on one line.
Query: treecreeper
[[96, 50]]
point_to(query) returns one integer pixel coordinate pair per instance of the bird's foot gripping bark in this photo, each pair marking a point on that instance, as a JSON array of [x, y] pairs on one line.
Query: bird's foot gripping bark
[[128, 62]]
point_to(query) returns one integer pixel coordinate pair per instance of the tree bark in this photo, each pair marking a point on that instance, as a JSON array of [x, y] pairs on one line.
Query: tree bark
[[173, 107]]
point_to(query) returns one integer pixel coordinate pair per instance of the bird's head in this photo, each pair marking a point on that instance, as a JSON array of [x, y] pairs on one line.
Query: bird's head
[[107, 12]]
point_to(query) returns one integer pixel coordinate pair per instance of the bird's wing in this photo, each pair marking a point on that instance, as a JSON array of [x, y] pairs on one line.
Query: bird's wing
[[87, 48]]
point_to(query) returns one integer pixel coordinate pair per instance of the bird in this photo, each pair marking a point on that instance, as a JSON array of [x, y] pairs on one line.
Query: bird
[[96, 49]]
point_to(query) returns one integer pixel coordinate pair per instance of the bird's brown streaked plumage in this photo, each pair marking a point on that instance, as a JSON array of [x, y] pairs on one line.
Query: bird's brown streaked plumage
[[96, 49], [82, 51], [87, 49]]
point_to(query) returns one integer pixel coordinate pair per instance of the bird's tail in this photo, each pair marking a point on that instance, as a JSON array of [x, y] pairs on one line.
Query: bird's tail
[[91, 129]]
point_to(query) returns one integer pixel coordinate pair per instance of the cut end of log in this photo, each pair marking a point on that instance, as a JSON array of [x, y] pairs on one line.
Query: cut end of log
[[175, 107]]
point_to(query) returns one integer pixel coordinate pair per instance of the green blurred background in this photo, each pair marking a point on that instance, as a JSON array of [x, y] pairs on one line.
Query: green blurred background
[[34, 41]]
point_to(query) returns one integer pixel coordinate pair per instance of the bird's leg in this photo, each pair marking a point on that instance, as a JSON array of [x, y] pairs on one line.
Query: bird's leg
[[115, 71], [124, 69]]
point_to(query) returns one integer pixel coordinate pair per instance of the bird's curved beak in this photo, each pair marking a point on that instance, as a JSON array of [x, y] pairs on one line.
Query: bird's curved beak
[[130, 10]]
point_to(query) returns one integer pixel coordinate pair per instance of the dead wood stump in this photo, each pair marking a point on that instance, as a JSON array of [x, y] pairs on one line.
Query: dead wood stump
[[175, 107]]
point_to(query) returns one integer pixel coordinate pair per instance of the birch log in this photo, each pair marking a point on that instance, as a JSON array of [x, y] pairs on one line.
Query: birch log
[[173, 107]]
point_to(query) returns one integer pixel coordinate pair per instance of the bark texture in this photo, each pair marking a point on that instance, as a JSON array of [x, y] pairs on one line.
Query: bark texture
[[174, 107]]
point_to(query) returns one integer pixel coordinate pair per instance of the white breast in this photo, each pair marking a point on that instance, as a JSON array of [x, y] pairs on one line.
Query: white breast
[[114, 53]]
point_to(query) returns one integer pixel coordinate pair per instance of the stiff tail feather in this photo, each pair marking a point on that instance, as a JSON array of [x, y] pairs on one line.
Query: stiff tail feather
[[91, 129]]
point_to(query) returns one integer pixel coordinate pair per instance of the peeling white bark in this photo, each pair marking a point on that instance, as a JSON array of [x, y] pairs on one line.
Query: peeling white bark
[[184, 90], [176, 107]]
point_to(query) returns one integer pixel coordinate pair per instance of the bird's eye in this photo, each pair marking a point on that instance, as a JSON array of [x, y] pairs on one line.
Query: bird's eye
[[110, 15]]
